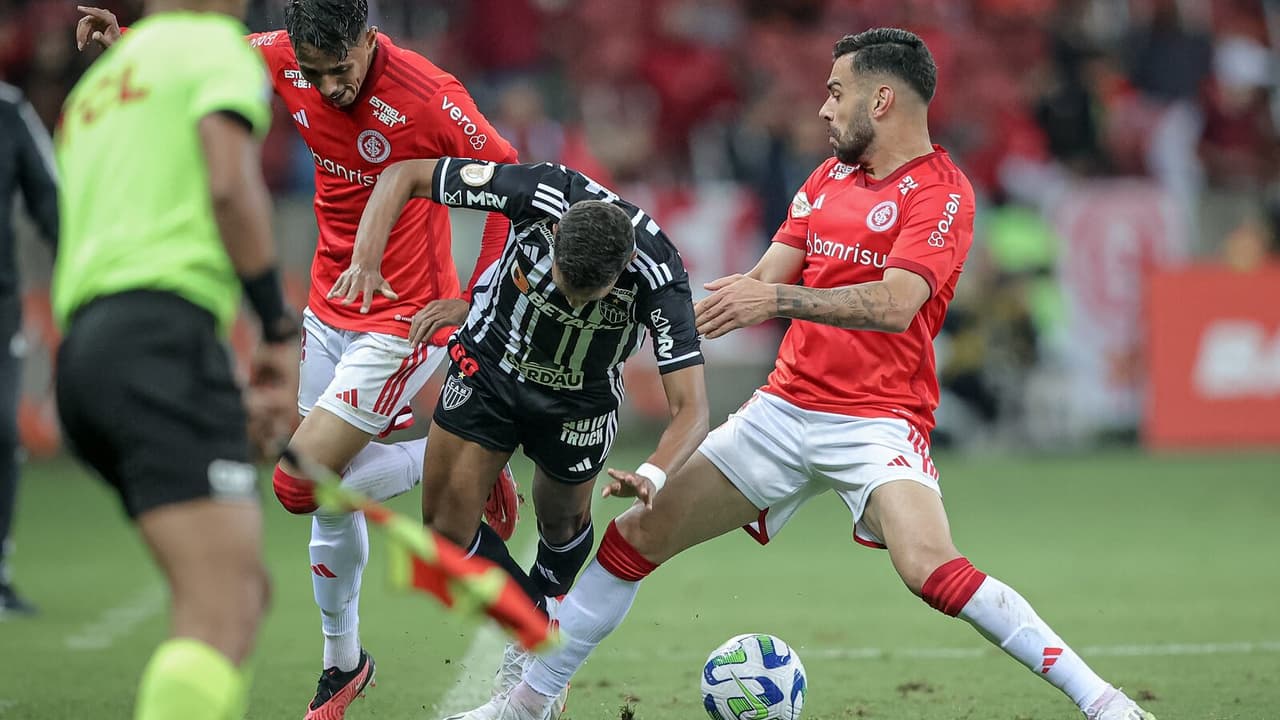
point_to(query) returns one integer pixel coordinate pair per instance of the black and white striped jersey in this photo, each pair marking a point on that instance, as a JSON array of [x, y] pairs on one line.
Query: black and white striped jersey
[[520, 323]]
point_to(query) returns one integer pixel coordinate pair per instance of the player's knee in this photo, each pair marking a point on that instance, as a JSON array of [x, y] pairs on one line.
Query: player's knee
[[922, 563], [558, 531], [951, 585], [643, 537], [295, 494], [621, 558]]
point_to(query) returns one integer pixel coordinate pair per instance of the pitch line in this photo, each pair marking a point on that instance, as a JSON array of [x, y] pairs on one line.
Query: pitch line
[[118, 621]]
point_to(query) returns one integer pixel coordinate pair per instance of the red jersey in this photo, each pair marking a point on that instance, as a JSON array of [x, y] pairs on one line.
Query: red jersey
[[407, 108], [852, 228]]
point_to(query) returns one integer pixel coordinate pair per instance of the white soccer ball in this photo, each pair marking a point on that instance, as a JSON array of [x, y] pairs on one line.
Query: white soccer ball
[[753, 677]]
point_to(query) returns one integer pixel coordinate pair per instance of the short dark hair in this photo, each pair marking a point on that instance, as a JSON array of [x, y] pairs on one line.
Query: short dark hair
[[332, 26], [892, 51], [594, 242]]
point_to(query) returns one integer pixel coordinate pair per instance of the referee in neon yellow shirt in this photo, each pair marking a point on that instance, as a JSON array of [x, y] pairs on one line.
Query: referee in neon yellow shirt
[[164, 220]]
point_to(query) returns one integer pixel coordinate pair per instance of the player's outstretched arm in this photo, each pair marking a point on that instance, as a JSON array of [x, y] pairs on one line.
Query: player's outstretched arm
[[887, 305], [781, 263], [395, 187], [98, 26], [687, 402], [739, 301]]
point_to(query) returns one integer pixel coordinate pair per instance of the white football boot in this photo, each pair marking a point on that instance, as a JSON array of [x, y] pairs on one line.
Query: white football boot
[[505, 708], [1115, 705]]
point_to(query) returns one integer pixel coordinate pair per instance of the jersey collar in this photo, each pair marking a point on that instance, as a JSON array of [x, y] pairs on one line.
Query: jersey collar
[[379, 63], [866, 182]]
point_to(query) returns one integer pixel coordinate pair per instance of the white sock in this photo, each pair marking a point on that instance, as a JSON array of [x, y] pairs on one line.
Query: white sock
[[1006, 619], [596, 605], [383, 471], [339, 552]]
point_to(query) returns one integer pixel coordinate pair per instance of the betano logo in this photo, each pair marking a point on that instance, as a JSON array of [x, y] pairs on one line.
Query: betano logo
[[1237, 359]]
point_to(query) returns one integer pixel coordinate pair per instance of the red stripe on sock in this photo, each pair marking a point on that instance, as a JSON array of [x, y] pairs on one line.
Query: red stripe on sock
[[951, 585], [620, 559]]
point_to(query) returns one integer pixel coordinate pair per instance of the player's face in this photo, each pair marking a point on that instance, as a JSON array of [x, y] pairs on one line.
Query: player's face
[[848, 114], [338, 80]]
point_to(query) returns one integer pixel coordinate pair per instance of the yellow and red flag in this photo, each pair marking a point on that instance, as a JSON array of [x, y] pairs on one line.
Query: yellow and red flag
[[423, 560]]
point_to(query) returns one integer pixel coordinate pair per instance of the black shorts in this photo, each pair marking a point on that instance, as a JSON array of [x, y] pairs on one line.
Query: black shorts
[[147, 397], [566, 433]]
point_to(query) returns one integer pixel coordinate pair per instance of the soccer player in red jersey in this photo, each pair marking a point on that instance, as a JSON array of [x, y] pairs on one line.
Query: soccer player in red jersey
[[361, 103], [876, 238]]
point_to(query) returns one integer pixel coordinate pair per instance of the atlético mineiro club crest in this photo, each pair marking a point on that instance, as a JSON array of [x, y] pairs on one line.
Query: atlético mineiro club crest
[[455, 393], [373, 146]]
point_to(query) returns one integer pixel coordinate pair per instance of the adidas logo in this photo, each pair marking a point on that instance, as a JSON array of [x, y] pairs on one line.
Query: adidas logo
[[1051, 655], [322, 571], [300, 117], [548, 574], [582, 466], [899, 461], [350, 397]]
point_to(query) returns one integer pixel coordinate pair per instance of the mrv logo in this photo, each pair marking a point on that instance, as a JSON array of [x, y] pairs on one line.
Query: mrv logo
[[584, 433], [486, 199]]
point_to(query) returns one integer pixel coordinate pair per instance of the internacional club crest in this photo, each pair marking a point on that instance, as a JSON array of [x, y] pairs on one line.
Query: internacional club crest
[[455, 393], [883, 216], [373, 146]]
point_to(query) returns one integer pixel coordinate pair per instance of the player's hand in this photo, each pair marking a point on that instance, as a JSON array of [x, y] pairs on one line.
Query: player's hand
[[357, 281], [736, 301], [271, 412], [628, 484], [271, 398], [438, 314], [97, 26]]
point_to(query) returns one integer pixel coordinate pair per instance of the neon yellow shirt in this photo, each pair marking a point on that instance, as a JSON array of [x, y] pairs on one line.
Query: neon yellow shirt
[[135, 206]]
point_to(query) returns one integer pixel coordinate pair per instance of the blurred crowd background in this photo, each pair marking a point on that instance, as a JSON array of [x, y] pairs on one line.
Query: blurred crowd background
[[1108, 140]]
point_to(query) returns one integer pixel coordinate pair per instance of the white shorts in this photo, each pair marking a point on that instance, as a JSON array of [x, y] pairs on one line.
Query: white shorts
[[364, 378], [779, 456]]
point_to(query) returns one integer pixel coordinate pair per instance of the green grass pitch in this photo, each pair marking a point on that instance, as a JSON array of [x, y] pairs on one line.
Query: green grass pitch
[[1163, 571]]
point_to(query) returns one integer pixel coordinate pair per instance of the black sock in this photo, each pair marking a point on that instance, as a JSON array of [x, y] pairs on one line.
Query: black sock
[[489, 545], [557, 567]]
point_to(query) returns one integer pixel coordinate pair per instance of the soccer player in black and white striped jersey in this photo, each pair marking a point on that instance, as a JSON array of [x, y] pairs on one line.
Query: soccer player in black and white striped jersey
[[537, 363]]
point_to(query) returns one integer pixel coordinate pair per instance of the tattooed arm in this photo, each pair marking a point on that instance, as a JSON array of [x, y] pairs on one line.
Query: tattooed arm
[[888, 305]]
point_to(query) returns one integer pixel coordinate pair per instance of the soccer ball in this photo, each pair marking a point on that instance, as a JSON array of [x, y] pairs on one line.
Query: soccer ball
[[753, 677]]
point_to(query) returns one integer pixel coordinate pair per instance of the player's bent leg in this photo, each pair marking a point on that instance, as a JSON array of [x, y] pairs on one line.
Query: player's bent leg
[[210, 551], [565, 533], [909, 517], [326, 439], [565, 539], [912, 516], [339, 552], [697, 504], [457, 475]]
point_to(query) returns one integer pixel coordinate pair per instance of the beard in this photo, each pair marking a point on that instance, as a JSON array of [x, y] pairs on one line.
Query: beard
[[852, 144]]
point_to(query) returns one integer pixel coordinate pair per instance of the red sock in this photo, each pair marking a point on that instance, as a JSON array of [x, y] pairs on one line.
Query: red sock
[[950, 586], [294, 493], [620, 559]]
